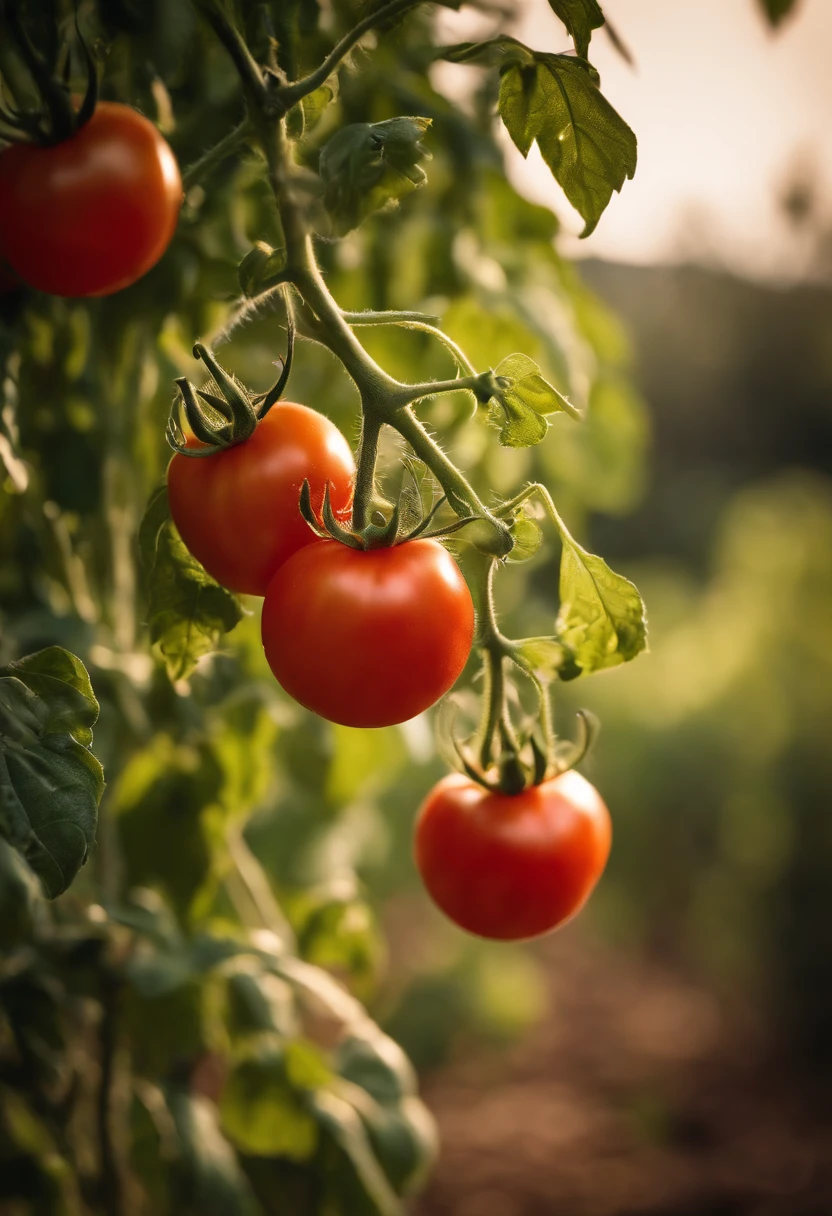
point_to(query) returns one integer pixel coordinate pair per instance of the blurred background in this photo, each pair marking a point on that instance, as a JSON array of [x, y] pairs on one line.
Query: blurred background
[[668, 1053]]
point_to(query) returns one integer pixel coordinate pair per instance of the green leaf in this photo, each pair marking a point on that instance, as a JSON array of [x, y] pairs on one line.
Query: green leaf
[[188, 611], [262, 1111], [370, 166], [316, 102], [601, 618], [403, 1138], [50, 782], [587, 145], [261, 269], [777, 10], [524, 399], [169, 815], [543, 658], [528, 538], [208, 1177], [360, 1183], [19, 897], [580, 17], [376, 1062]]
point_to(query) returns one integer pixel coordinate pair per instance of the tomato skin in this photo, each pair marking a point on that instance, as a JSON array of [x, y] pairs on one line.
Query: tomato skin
[[237, 511], [368, 638], [512, 866], [90, 215]]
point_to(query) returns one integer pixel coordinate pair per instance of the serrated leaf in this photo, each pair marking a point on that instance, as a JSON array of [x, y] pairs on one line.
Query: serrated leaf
[[587, 145], [776, 10], [50, 782], [601, 618], [523, 401], [188, 612], [580, 17], [369, 166], [261, 269]]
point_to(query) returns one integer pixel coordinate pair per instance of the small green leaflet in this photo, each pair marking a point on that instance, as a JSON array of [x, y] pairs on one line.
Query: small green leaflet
[[776, 10], [50, 782], [261, 269], [524, 399], [369, 166], [601, 619], [580, 17], [588, 146], [188, 612]]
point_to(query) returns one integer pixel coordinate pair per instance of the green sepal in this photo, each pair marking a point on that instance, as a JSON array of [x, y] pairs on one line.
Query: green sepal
[[571, 752], [243, 416], [337, 530]]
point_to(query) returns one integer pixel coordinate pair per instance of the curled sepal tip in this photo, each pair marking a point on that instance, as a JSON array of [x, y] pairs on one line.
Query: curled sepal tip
[[224, 412]]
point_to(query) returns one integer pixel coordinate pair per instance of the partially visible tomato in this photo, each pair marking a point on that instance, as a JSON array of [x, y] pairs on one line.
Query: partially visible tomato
[[368, 638], [237, 511], [90, 215], [512, 866]]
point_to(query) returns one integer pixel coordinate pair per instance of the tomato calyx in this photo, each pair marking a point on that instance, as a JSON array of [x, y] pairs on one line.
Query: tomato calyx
[[57, 118], [224, 412], [522, 758], [389, 524]]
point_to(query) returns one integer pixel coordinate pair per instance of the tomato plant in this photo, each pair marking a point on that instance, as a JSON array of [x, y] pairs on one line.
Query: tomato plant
[[512, 866], [93, 213], [237, 510], [368, 638]]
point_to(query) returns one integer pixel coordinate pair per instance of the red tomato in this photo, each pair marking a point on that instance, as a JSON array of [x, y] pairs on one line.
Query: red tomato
[[91, 215], [368, 638], [237, 511], [512, 866]]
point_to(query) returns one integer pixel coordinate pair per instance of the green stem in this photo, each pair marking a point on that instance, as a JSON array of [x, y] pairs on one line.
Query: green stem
[[233, 41], [365, 478], [214, 157], [291, 94], [381, 394]]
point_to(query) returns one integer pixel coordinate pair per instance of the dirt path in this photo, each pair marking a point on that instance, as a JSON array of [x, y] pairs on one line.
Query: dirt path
[[639, 1096]]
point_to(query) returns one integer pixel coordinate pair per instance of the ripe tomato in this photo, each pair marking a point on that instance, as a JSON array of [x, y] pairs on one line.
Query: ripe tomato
[[368, 638], [91, 215], [512, 866], [237, 511]]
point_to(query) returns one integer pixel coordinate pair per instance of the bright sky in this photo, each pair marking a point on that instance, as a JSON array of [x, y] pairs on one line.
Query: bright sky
[[725, 112]]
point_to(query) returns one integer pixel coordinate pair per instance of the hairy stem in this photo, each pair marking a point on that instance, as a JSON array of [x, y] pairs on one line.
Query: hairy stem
[[291, 94], [214, 157]]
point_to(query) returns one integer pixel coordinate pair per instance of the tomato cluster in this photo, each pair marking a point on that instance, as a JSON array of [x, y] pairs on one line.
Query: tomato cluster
[[373, 637], [92, 214], [364, 638]]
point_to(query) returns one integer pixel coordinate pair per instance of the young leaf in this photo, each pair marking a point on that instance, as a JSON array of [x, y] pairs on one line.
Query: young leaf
[[188, 612], [368, 166], [261, 269], [601, 618], [580, 17], [587, 145], [50, 782], [524, 399]]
